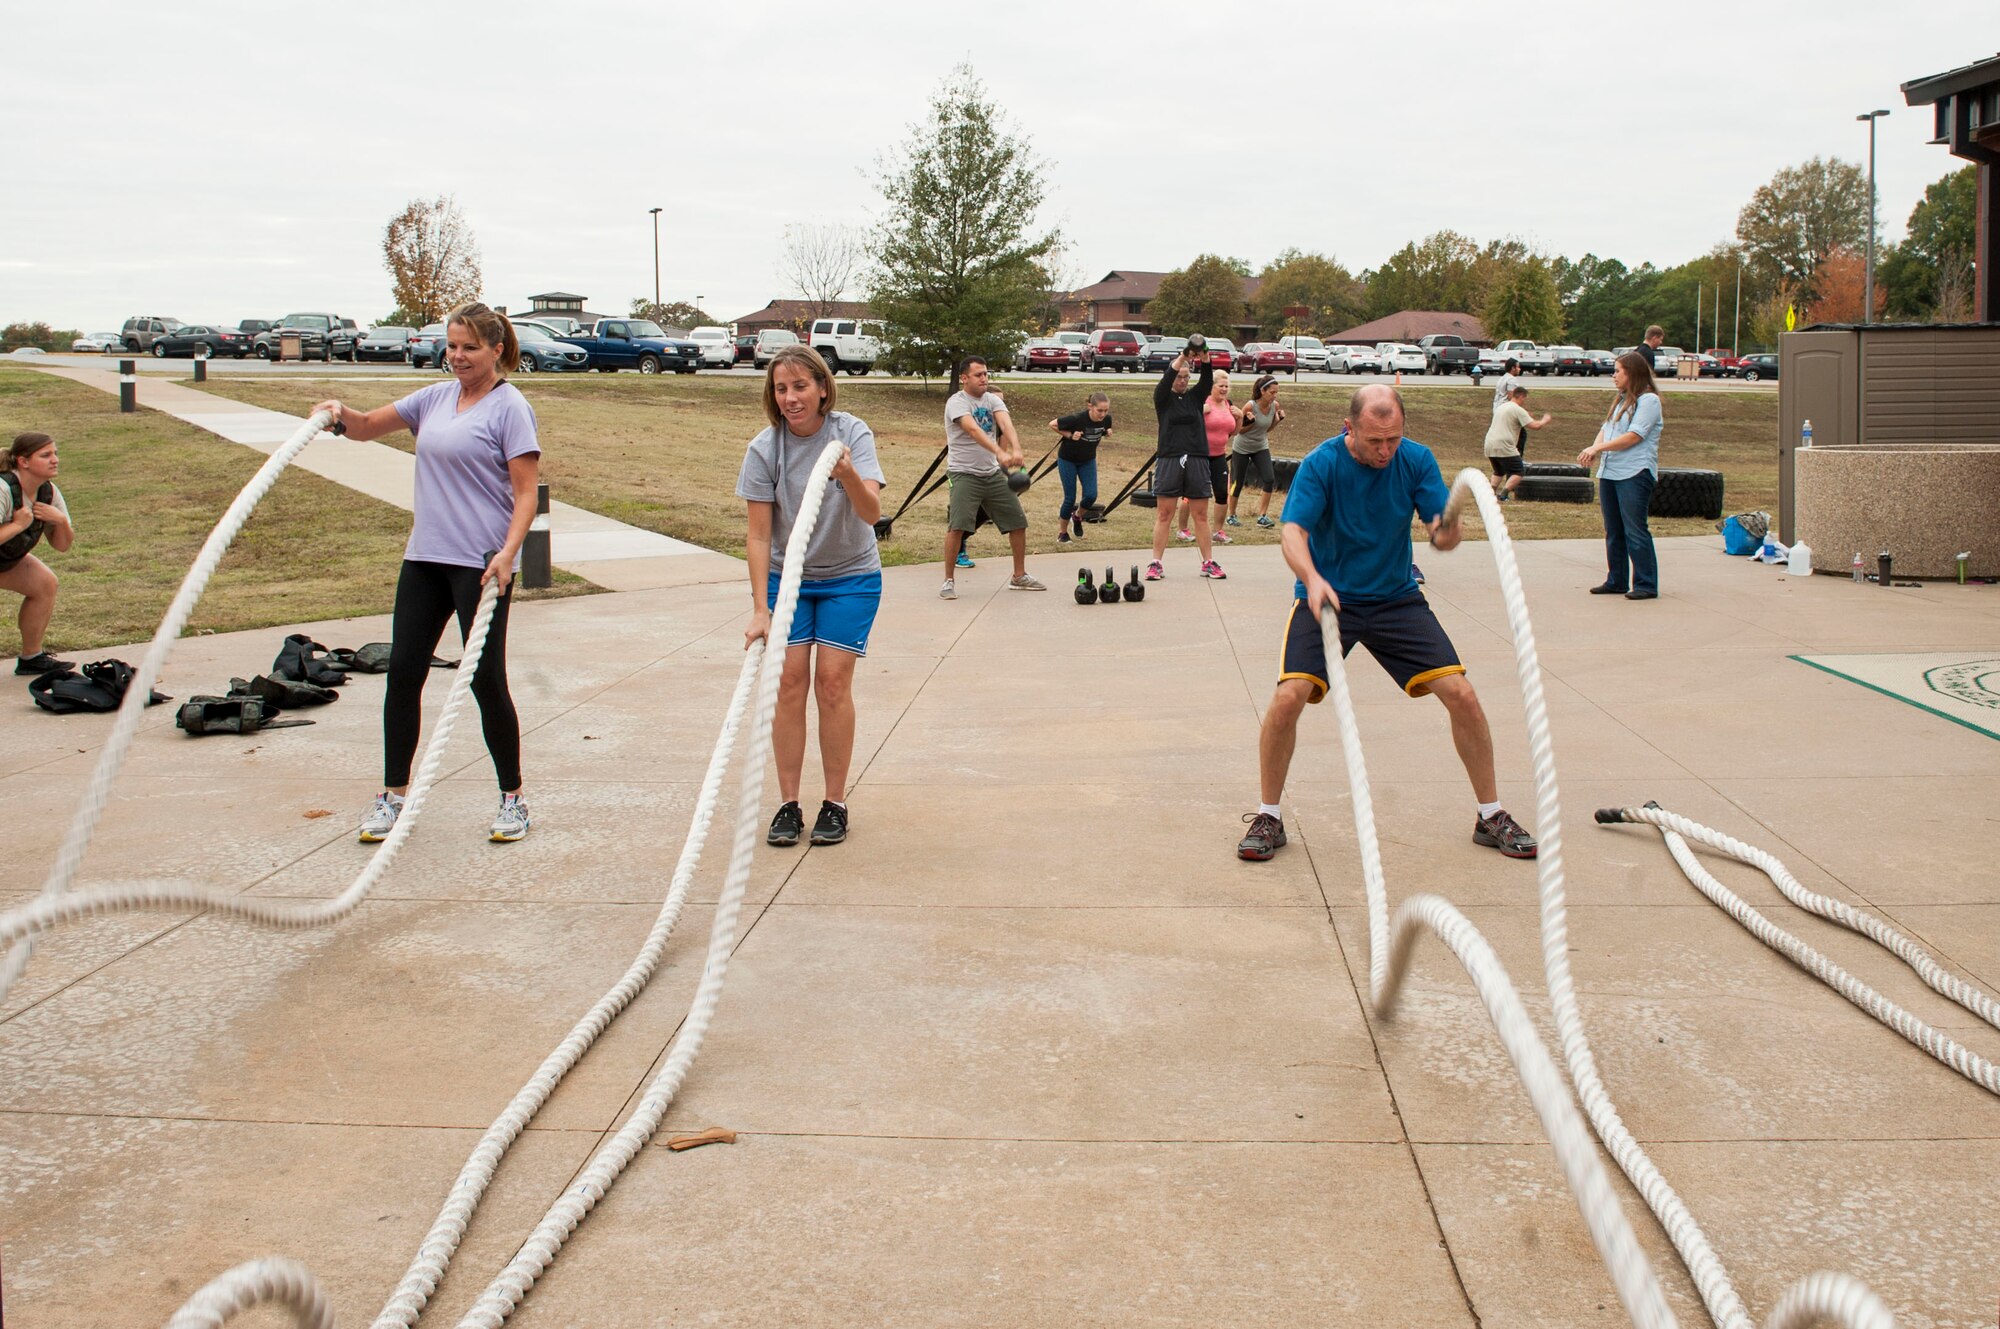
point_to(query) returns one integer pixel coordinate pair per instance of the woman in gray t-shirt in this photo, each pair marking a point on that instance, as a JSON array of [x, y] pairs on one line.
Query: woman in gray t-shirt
[[31, 507], [1250, 450], [840, 585]]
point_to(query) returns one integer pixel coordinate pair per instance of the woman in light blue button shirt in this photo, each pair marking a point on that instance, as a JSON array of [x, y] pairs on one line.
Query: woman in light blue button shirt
[[1627, 453]]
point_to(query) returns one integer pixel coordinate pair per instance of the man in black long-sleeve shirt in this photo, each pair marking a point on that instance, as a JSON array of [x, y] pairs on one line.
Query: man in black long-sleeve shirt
[[1182, 468]]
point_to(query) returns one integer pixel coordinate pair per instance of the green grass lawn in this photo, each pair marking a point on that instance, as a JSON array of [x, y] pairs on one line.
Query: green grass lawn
[[145, 490], [663, 453]]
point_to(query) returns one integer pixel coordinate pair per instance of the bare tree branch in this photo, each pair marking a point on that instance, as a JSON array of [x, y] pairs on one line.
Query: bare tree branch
[[821, 261]]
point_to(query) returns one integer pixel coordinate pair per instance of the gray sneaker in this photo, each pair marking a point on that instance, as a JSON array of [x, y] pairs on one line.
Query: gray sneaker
[[381, 818], [512, 822], [949, 591], [1024, 583]]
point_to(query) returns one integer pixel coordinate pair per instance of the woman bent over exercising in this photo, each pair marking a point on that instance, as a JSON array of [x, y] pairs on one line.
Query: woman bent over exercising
[[478, 462], [30, 507]]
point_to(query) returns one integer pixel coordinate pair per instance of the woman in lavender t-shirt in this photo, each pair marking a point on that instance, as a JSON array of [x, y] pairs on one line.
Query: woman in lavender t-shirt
[[478, 462]]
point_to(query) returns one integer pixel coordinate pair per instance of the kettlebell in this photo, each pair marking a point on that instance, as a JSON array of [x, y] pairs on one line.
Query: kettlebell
[[1135, 590], [1018, 481], [1108, 592], [1196, 344], [1086, 593]]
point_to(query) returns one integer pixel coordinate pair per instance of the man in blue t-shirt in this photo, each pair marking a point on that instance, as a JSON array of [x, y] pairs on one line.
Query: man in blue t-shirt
[[1347, 536]]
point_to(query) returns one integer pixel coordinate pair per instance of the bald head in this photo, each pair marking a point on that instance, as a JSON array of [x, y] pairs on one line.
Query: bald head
[[1375, 399]]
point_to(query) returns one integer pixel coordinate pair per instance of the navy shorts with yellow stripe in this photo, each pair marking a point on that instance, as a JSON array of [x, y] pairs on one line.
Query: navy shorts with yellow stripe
[[1403, 635]]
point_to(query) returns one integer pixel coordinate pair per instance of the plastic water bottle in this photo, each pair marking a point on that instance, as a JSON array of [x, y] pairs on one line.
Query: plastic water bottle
[[1860, 576], [1805, 435]]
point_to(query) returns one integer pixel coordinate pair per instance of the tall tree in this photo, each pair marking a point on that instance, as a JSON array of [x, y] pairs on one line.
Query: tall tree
[[1336, 298], [1841, 291], [1805, 212], [822, 261], [959, 268], [1206, 296], [1523, 303], [432, 257], [1433, 273], [1929, 275]]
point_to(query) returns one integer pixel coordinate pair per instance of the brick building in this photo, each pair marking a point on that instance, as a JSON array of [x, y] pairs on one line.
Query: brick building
[[1120, 300]]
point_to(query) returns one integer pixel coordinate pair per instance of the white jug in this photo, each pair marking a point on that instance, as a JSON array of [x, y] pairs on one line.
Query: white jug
[[1799, 561]]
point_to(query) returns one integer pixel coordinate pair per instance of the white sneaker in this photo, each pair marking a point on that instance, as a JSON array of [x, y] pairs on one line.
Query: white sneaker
[[512, 823], [1184, 535], [949, 591], [381, 818], [1222, 538], [1024, 582]]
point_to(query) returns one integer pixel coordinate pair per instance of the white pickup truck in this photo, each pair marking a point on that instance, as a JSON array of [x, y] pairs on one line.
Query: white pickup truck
[[843, 345], [1534, 359]]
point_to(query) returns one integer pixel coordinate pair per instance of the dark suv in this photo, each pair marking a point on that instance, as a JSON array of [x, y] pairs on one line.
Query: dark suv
[[321, 336], [1114, 348], [1755, 367]]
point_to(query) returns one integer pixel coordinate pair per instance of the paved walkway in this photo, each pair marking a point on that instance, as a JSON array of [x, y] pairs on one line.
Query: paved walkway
[[1033, 1047], [597, 548]]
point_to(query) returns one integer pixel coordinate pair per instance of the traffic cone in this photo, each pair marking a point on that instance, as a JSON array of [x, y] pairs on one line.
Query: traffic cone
[[1399, 378]]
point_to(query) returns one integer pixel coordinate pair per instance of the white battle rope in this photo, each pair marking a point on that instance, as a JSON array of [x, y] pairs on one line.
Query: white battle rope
[[84, 823], [1822, 1296], [285, 1283], [1678, 830]]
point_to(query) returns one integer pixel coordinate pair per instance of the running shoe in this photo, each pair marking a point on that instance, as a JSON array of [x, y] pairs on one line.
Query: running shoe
[[512, 822], [965, 560], [1184, 534], [39, 663], [381, 818], [949, 591], [1500, 831], [1266, 522], [1213, 571], [1062, 537], [1267, 837], [1024, 582], [1231, 521], [785, 827], [1076, 523], [1416, 574], [830, 827], [1223, 538], [1154, 571]]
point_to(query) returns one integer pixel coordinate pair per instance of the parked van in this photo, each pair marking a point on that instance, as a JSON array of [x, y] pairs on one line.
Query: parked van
[[769, 342]]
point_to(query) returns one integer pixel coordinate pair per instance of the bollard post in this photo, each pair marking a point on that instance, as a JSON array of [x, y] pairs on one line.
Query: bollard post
[[537, 561], [200, 370], [128, 386]]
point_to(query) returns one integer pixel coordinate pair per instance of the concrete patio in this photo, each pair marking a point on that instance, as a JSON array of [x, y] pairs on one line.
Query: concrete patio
[[1033, 1047]]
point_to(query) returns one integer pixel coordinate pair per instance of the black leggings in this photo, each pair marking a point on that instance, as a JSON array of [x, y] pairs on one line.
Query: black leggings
[[427, 594]]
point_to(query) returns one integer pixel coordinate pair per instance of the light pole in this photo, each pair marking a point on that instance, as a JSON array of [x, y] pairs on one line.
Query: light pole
[[1868, 281], [697, 303], [656, 256]]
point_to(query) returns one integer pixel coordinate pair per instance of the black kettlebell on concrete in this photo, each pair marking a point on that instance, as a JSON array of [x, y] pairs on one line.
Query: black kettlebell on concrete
[[1135, 590], [1086, 594], [1108, 592]]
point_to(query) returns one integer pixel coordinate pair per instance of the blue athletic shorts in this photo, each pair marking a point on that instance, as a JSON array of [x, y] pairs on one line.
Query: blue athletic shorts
[[838, 612], [1403, 635]]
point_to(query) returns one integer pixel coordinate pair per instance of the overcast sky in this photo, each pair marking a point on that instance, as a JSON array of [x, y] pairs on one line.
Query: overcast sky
[[224, 160]]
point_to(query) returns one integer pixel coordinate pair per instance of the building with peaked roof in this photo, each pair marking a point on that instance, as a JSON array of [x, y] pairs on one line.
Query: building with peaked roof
[[561, 304], [1966, 111], [796, 315], [1408, 325], [1120, 300]]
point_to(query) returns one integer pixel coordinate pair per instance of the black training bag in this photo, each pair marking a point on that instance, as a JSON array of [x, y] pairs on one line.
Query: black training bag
[[370, 659], [101, 686], [282, 693], [229, 715], [303, 660]]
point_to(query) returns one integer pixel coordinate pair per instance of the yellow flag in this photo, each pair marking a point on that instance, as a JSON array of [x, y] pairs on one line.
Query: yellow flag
[[1791, 318]]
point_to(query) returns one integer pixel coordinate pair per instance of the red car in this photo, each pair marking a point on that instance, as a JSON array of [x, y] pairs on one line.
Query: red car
[[1043, 353], [1728, 365], [1222, 353], [1264, 357]]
